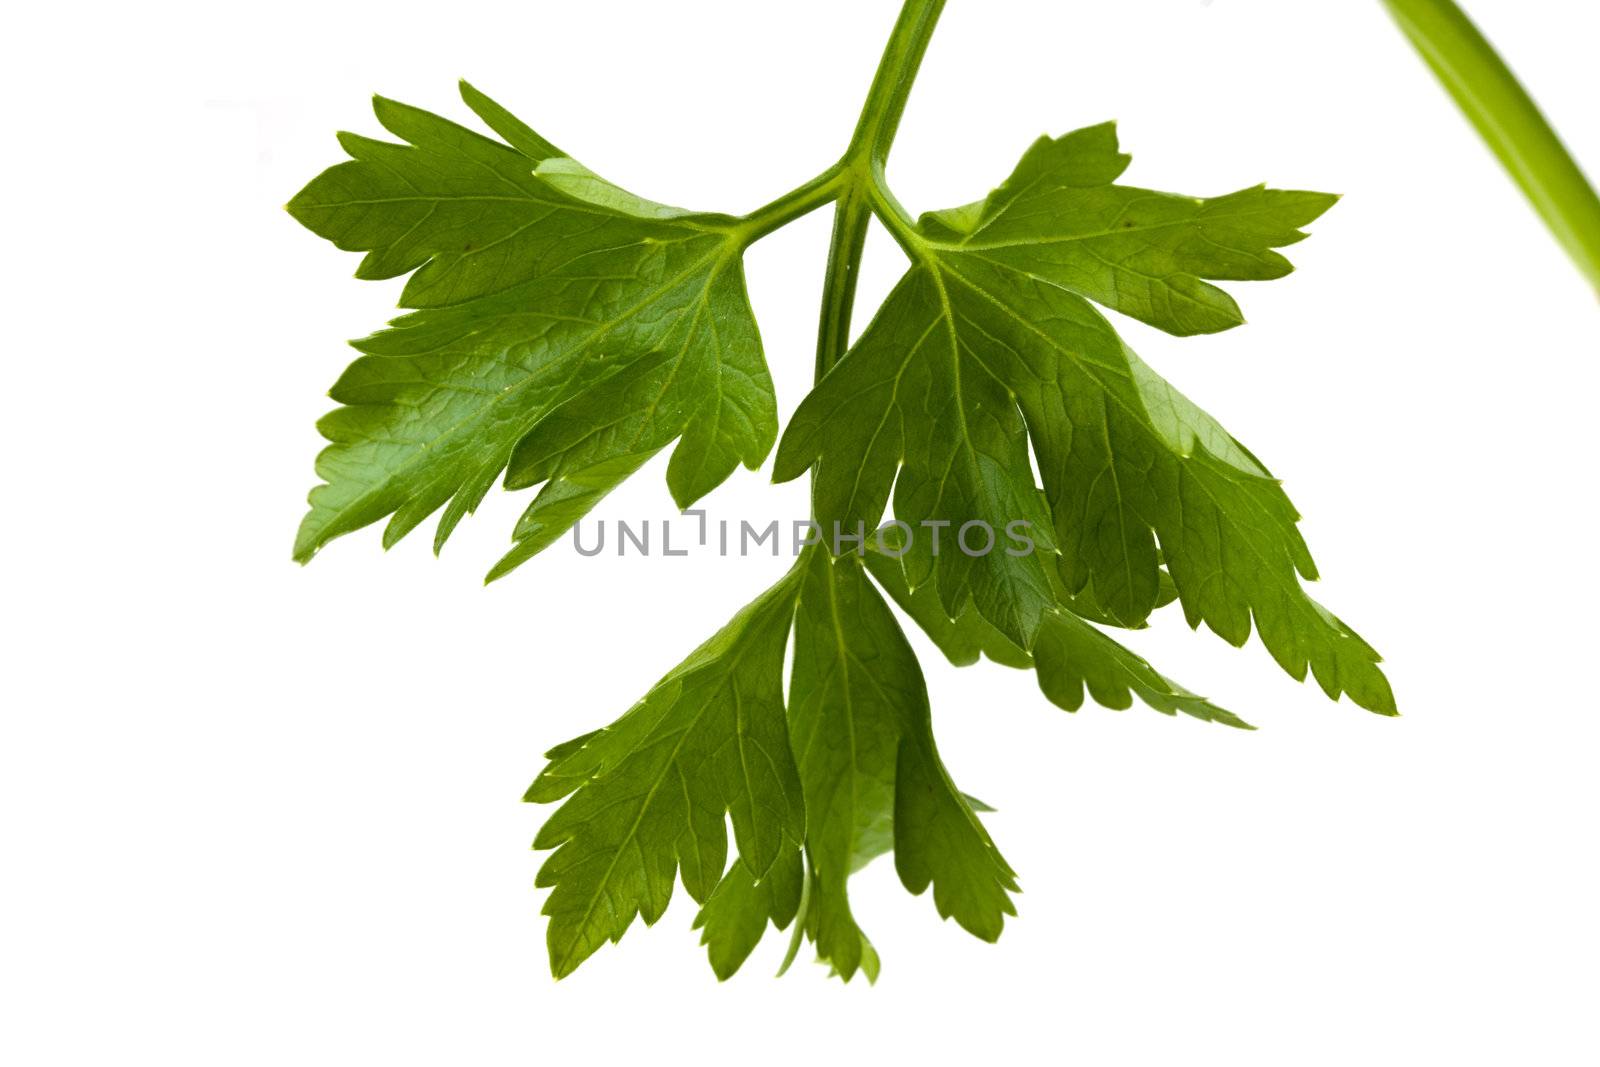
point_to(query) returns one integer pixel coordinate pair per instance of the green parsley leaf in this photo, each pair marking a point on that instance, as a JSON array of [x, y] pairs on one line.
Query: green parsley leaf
[[846, 691], [869, 779], [566, 330], [863, 737], [736, 915], [1140, 252], [990, 344], [646, 797], [1069, 655]]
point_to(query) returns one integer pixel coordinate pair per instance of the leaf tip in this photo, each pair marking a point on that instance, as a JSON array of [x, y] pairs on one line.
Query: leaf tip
[[307, 542], [683, 496], [1384, 706]]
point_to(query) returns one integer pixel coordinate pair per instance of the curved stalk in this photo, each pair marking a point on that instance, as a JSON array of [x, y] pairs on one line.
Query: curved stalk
[[896, 219], [1510, 122]]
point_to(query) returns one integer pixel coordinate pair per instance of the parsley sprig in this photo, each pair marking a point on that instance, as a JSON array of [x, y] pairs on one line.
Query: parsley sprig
[[562, 331]]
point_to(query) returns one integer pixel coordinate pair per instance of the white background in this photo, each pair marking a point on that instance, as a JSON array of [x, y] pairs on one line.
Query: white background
[[254, 813]]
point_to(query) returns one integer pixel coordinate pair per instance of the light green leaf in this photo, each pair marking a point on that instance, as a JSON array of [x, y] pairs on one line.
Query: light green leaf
[[581, 183]]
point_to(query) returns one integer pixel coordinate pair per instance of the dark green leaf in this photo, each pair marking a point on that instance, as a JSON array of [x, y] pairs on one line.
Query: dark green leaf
[[647, 796], [986, 346], [1070, 653], [938, 839], [567, 333], [735, 917]]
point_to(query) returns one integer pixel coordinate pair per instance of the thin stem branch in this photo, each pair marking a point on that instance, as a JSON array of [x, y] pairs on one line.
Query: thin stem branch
[[861, 175], [862, 168], [856, 182], [896, 219], [851, 217], [801, 200]]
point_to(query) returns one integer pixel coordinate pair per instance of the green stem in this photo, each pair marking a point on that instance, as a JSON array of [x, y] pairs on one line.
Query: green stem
[[863, 165], [891, 85], [850, 219], [1509, 121], [856, 181], [898, 221], [801, 200]]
